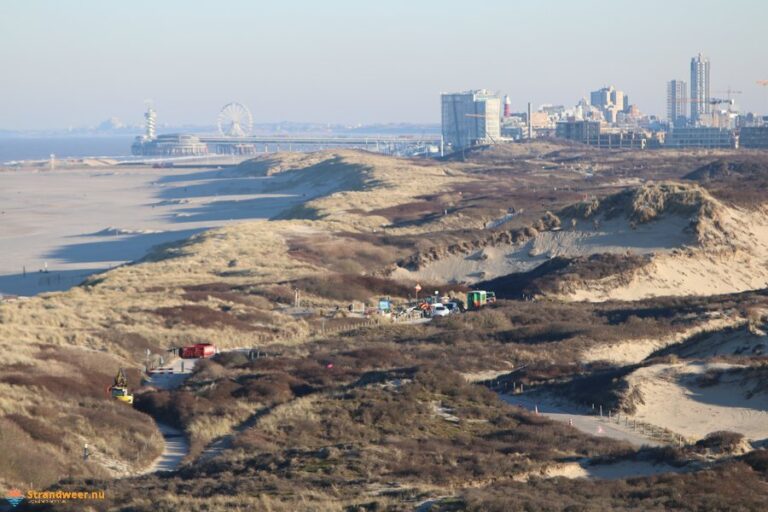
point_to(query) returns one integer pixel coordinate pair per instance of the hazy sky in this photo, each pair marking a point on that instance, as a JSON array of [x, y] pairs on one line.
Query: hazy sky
[[78, 62]]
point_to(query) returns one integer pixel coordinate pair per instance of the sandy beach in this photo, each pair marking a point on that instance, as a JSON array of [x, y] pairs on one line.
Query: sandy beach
[[58, 227]]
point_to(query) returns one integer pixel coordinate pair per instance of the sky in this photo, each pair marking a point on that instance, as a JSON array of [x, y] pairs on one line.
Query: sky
[[78, 62]]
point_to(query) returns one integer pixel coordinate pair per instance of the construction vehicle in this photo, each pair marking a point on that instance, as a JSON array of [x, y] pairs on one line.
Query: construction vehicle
[[197, 351], [119, 390]]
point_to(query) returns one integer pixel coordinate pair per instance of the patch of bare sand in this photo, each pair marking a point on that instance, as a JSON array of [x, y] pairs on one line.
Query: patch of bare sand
[[487, 374], [633, 351], [736, 264], [618, 470], [615, 236], [740, 341], [672, 399]]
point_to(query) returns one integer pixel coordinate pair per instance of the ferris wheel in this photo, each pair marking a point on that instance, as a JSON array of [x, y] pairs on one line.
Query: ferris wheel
[[235, 120]]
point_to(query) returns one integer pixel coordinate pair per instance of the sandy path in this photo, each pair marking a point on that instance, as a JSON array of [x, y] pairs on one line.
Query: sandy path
[[594, 425], [176, 445], [175, 450]]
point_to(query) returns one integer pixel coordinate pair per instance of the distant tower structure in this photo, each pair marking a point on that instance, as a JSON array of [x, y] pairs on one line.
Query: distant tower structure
[[530, 121], [150, 116], [700, 106], [52, 162], [677, 103], [507, 106]]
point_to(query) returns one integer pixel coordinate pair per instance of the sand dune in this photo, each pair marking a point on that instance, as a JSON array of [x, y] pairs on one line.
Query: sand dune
[[671, 398], [613, 236], [696, 245], [635, 351]]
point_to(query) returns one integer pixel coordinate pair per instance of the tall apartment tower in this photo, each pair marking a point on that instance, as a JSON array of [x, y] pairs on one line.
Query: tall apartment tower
[[677, 103], [700, 106], [471, 117]]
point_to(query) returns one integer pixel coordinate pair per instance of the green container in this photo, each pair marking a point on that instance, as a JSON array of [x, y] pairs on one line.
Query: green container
[[477, 299]]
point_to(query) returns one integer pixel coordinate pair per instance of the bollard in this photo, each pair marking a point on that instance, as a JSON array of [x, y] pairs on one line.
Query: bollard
[[601, 411]]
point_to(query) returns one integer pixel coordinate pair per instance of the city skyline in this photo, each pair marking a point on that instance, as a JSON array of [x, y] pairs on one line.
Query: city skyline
[[389, 63]]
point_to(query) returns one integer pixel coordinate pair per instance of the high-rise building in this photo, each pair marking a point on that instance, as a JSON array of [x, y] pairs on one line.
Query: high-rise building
[[700, 105], [610, 101], [470, 118], [677, 102], [601, 98]]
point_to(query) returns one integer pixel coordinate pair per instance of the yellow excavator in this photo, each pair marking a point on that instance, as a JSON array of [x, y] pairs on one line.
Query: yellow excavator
[[119, 390]]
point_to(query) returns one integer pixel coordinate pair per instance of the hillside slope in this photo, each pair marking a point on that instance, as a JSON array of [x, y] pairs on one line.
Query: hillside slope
[[691, 243]]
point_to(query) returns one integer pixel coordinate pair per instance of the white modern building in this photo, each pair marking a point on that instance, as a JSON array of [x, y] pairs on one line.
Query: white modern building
[[470, 118]]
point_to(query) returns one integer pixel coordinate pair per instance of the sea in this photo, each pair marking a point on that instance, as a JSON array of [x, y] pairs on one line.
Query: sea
[[33, 148]]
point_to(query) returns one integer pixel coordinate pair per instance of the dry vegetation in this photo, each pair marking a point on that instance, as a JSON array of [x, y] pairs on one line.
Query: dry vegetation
[[731, 486], [367, 430], [54, 403], [380, 418], [392, 422]]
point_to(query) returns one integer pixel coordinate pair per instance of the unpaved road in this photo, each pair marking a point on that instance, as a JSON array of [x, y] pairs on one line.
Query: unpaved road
[[176, 445], [175, 449], [594, 425]]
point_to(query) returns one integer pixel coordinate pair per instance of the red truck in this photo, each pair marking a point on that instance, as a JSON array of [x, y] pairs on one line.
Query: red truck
[[198, 350]]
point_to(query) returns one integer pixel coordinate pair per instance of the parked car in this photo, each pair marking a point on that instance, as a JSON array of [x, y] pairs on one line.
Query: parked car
[[452, 307], [439, 310]]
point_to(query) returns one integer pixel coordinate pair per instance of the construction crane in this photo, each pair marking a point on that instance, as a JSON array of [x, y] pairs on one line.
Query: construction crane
[[711, 101], [119, 389], [728, 92]]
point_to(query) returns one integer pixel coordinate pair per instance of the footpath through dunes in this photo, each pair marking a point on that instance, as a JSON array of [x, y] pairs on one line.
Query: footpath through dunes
[[580, 418], [654, 240]]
